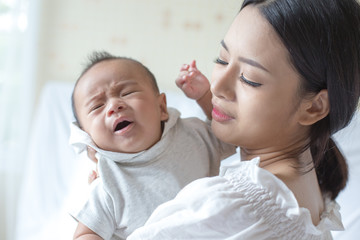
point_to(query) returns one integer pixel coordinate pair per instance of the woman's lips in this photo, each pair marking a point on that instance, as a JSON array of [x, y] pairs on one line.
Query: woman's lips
[[220, 116]]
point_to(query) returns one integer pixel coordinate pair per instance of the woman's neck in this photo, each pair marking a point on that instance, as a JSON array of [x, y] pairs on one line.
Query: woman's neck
[[297, 173], [295, 155]]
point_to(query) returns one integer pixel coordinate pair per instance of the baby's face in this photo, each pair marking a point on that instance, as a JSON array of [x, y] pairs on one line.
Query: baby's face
[[117, 106]]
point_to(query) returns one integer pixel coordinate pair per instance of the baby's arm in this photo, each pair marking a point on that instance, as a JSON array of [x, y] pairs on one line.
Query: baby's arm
[[195, 86], [82, 232]]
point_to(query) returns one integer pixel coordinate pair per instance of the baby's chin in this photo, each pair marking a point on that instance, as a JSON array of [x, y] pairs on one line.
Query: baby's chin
[[132, 143], [129, 149], [132, 150]]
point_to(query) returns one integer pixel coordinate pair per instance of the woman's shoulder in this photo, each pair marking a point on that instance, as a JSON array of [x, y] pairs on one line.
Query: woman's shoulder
[[247, 176], [243, 180]]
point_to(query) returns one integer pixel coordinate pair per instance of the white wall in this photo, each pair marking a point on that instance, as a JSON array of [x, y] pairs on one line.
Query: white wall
[[2, 207], [162, 34]]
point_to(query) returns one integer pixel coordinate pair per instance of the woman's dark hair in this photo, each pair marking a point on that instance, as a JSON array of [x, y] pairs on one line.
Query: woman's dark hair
[[100, 56], [323, 41]]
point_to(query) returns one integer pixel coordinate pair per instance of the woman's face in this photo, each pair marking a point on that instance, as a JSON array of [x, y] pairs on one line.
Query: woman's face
[[255, 88]]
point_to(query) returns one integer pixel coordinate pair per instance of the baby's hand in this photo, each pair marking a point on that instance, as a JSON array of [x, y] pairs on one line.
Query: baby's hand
[[192, 82], [94, 173], [92, 176]]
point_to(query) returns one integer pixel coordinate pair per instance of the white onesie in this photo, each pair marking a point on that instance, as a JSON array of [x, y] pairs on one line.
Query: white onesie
[[131, 186]]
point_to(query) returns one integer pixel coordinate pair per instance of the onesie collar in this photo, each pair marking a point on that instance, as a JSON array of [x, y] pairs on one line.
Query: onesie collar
[[80, 140]]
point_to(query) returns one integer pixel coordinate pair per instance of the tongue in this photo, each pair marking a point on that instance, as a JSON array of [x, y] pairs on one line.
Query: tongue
[[122, 125]]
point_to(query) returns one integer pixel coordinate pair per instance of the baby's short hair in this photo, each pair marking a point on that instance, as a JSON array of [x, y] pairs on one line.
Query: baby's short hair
[[100, 56]]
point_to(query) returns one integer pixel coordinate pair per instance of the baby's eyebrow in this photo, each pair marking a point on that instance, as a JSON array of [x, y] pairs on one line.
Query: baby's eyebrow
[[121, 85], [93, 98]]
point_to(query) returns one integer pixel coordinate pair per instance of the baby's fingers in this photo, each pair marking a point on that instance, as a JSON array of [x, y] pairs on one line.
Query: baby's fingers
[[184, 67], [91, 154], [192, 67], [92, 176], [180, 81]]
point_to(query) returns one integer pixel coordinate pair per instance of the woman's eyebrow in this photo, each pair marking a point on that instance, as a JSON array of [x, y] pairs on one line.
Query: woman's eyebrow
[[224, 45], [245, 60], [252, 63]]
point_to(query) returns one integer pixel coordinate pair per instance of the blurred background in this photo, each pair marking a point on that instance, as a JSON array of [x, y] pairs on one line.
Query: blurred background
[[44, 41]]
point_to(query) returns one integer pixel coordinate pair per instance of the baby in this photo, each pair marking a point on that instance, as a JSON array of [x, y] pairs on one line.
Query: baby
[[146, 153]]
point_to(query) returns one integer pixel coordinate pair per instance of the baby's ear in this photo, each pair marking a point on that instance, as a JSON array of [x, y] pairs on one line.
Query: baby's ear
[[314, 109], [163, 107]]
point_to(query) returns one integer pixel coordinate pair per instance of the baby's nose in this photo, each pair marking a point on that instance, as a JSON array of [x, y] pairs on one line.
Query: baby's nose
[[115, 106]]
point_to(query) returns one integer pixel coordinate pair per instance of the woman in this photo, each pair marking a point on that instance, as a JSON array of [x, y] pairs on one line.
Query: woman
[[286, 79]]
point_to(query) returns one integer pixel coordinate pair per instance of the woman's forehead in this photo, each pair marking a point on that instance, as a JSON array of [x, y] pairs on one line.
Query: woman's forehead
[[250, 25], [251, 36]]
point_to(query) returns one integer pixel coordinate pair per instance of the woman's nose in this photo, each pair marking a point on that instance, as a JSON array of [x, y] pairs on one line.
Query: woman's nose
[[115, 105], [223, 82]]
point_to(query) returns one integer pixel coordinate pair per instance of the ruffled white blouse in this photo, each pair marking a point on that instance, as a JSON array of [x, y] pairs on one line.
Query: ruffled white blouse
[[243, 202]]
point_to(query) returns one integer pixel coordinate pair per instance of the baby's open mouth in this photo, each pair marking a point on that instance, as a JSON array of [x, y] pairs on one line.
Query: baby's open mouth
[[122, 125]]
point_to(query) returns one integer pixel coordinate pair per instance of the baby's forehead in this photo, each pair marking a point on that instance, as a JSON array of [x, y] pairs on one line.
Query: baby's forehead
[[122, 67], [114, 72], [125, 62]]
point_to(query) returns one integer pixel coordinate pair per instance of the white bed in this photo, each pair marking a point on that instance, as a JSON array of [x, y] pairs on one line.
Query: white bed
[[56, 179]]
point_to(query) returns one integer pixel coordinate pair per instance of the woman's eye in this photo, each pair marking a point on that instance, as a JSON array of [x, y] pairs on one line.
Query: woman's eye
[[252, 84], [219, 61]]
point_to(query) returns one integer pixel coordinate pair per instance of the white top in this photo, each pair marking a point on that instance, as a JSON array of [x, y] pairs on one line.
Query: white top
[[131, 186], [243, 202]]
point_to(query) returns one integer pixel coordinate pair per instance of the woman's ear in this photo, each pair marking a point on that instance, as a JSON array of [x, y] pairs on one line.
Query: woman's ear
[[163, 107], [315, 109]]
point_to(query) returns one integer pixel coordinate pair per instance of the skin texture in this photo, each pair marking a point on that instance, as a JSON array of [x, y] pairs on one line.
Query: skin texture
[[257, 105], [116, 90]]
